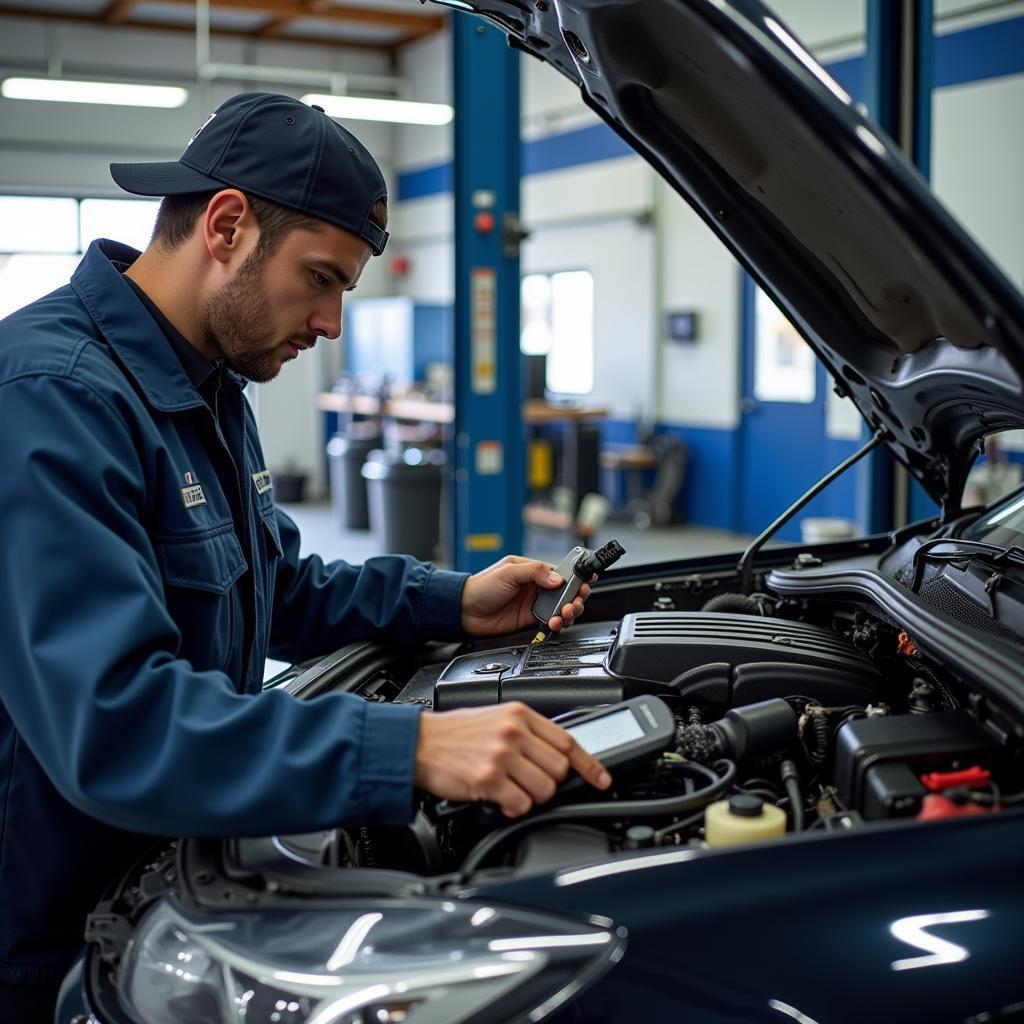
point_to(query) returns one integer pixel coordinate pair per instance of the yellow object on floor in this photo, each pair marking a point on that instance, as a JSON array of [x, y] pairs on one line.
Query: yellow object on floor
[[540, 465]]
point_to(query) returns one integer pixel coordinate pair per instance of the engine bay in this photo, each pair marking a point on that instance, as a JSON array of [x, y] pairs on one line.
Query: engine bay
[[787, 714], [810, 716]]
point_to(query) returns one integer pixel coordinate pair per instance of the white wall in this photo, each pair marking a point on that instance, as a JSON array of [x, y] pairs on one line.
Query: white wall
[[978, 164], [699, 381]]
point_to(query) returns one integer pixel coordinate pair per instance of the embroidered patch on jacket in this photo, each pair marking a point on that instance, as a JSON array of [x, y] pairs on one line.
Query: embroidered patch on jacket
[[192, 495], [262, 481]]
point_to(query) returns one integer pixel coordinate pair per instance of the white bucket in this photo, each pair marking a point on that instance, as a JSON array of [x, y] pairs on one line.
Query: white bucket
[[819, 529]]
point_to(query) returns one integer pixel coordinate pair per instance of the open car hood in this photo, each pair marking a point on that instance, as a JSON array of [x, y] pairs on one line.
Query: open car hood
[[909, 316]]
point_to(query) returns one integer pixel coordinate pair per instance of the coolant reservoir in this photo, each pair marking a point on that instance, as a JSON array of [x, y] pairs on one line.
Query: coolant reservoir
[[743, 818]]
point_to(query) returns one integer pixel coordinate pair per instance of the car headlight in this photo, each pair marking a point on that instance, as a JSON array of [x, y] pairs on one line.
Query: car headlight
[[383, 962]]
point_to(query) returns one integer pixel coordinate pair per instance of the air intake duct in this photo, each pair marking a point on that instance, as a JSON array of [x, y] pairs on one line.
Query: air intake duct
[[755, 730]]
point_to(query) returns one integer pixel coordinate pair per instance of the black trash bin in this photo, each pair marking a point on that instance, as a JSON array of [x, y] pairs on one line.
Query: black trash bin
[[346, 454], [404, 491]]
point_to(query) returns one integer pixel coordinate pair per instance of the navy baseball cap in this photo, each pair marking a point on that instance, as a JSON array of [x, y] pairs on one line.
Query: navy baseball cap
[[279, 149]]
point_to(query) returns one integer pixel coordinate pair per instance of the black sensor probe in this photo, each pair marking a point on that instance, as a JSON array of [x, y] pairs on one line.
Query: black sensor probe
[[578, 567]]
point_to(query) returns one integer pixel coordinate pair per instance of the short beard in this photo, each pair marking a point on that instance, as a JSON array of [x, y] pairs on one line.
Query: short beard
[[239, 322]]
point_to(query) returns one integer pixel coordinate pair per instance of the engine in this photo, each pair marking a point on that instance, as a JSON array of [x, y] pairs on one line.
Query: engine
[[780, 726]]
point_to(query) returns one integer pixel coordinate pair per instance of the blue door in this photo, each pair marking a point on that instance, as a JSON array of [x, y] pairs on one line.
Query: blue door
[[784, 443]]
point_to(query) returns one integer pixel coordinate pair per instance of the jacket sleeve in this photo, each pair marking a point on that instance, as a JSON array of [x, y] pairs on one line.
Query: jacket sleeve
[[126, 731], [318, 607]]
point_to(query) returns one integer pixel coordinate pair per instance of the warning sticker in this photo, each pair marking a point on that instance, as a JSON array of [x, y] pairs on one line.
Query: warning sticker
[[489, 458], [483, 542], [483, 331]]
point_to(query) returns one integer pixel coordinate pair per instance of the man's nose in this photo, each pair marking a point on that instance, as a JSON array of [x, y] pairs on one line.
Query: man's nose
[[326, 320]]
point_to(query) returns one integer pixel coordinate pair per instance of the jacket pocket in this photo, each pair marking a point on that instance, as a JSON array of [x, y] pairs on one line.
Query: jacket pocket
[[211, 561], [273, 532]]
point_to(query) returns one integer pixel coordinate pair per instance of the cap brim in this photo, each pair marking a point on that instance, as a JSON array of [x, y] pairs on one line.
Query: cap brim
[[162, 179]]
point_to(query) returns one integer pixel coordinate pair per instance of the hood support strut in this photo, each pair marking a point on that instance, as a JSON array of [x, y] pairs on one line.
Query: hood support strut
[[745, 566]]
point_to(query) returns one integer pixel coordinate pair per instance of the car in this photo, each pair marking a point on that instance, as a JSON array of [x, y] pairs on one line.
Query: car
[[828, 825]]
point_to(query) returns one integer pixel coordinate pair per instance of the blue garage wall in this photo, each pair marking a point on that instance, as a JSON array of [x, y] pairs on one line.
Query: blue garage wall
[[710, 493]]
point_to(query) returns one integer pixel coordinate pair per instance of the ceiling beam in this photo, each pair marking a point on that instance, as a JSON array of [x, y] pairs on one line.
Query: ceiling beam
[[274, 27], [116, 10], [420, 24], [65, 17]]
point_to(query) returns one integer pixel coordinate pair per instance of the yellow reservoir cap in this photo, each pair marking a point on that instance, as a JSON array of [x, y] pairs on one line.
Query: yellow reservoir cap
[[742, 819]]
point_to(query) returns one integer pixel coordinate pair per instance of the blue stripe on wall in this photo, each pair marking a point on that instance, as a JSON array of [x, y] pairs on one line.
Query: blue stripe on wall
[[567, 149], [710, 491], [988, 51], [971, 55], [427, 181]]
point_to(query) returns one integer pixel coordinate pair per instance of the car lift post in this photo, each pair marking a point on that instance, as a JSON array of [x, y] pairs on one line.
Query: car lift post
[[898, 90], [489, 488]]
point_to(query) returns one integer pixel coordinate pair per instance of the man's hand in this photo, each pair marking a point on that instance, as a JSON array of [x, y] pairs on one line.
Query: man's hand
[[498, 600], [507, 753]]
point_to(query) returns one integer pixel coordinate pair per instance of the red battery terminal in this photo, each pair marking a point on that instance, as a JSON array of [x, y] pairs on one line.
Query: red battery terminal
[[936, 807], [971, 778], [905, 646]]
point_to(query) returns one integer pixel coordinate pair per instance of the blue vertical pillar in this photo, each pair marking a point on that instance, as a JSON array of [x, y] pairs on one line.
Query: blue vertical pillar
[[488, 446], [898, 92]]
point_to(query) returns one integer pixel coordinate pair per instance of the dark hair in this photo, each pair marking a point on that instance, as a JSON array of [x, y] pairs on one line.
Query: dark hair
[[177, 217]]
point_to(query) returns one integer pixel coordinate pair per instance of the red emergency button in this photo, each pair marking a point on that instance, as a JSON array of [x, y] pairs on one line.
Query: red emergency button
[[483, 222], [971, 778]]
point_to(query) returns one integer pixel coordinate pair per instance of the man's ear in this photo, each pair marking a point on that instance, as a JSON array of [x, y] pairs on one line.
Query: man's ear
[[229, 226]]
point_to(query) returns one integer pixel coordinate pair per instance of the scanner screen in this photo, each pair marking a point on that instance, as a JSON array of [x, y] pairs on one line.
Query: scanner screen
[[609, 731]]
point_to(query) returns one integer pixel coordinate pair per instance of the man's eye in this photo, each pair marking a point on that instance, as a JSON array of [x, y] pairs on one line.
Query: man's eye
[[320, 281]]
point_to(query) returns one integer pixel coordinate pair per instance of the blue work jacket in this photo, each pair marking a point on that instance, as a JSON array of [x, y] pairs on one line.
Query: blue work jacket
[[131, 604]]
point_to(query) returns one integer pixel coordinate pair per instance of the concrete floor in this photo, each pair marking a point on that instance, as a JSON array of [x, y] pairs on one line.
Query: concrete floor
[[322, 535]]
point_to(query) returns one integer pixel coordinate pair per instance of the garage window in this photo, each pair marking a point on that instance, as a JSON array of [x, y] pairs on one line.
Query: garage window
[[42, 239], [558, 322]]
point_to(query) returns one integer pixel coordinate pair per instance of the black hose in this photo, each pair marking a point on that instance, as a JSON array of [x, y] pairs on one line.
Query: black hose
[[822, 738], [791, 781], [748, 604], [662, 807]]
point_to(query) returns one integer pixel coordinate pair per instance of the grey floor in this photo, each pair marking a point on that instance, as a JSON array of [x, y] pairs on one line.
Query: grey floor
[[323, 535]]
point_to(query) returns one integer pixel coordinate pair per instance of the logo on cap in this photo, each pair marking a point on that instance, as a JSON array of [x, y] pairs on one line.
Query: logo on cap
[[200, 128]]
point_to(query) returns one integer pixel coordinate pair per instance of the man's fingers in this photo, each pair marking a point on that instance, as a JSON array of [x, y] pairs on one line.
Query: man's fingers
[[532, 779], [513, 800], [550, 759], [589, 767], [579, 760]]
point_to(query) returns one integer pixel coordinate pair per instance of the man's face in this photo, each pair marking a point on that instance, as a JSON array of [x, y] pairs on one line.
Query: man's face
[[276, 306]]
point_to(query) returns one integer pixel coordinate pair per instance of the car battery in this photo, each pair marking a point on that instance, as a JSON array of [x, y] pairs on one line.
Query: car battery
[[879, 761]]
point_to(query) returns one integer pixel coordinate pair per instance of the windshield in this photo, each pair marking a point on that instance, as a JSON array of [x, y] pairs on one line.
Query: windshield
[[1004, 525]]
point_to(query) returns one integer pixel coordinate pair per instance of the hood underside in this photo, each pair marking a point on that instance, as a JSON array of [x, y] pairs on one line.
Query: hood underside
[[909, 316]]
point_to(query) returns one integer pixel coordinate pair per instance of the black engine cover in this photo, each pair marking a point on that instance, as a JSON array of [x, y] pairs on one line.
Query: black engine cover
[[731, 659], [714, 658]]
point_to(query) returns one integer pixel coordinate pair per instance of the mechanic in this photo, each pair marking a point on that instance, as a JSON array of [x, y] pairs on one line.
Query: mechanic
[[148, 573]]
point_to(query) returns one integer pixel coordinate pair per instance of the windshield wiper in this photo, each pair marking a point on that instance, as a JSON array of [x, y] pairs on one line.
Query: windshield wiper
[[993, 555]]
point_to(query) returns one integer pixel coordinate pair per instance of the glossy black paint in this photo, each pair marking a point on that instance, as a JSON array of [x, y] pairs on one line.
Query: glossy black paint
[[909, 316], [717, 936]]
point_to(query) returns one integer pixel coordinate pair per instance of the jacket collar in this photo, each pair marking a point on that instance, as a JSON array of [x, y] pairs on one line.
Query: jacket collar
[[130, 329]]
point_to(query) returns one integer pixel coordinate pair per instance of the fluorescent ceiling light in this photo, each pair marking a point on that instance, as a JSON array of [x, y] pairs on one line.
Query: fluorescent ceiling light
[[362, 108], [120, 94]]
